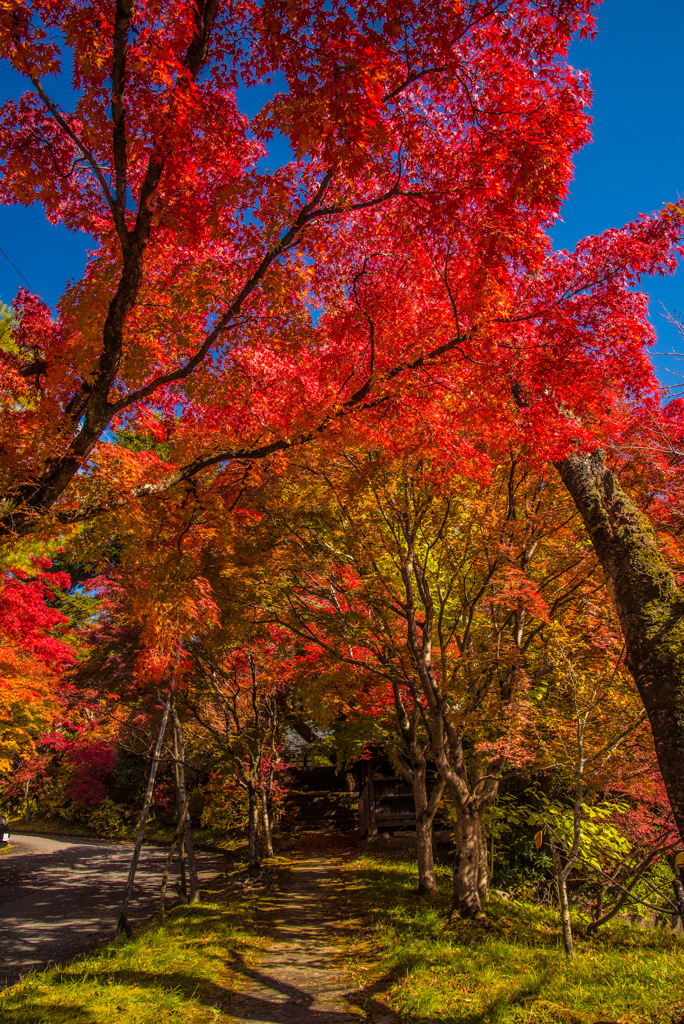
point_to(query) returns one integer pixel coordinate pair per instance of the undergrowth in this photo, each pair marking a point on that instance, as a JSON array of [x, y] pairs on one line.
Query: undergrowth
[[513, 970]]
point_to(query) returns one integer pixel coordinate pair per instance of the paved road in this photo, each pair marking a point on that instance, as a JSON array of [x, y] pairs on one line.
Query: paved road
[[60, 897]]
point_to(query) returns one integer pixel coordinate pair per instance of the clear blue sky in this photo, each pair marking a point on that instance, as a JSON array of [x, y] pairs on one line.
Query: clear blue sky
[[635, 163]]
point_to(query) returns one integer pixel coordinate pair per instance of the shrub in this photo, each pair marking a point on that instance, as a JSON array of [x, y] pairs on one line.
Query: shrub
[[109, 819]]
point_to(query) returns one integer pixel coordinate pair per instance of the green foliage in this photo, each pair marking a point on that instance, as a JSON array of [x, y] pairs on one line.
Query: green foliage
[[506, 814], [517, 864], [7, 342], [54, 800], [226, 806], [142, 442], [602, 844], [78, 606], [109, 820]]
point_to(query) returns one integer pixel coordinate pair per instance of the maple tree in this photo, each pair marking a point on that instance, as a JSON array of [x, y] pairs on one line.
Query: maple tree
[[234, 699], [434, 591], [417, 132], [32, 655], [234, 313]]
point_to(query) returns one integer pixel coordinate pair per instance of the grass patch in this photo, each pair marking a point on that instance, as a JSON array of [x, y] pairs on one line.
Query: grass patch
[[511, 971], [178, 972]]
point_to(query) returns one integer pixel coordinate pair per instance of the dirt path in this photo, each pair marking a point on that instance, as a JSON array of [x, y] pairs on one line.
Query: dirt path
[[301, 978]]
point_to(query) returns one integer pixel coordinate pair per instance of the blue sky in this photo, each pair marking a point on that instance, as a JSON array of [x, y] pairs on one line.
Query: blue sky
[[635, 163]]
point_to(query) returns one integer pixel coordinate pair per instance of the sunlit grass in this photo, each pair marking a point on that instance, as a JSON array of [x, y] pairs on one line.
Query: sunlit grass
[[512, 970]]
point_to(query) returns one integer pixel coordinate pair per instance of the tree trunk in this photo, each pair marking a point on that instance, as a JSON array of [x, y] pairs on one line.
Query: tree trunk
[[679, 897], [122, 923], [466, 891], [253, 840], [597, 909], [561, 884], [427, 880], [483, 869], [266, 823], [426, 805], [426, 808], [179, 747], [27, 807], [648, 602], [183, 868]]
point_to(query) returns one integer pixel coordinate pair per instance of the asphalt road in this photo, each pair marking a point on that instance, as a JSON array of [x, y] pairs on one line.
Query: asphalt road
[[60, 897]]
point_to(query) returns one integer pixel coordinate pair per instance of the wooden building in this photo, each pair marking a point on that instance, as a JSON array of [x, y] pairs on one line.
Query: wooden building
[[385, 801]]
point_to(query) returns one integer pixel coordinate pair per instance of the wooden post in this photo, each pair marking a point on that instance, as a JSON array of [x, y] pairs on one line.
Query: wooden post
[[167, 866], [181, 819], [193, 893], [122, 924]]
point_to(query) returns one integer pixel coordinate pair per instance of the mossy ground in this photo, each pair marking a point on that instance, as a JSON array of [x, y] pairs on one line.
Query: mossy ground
[[513, 970]]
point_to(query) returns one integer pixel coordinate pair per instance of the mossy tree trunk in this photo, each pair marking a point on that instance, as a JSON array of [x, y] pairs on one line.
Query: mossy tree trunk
[[648, 602]]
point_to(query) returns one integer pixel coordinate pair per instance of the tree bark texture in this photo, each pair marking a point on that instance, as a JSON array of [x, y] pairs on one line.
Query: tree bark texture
[[466, 887], [483, 876], [122, 924], [426, 808], [253, 840], [648, 602], [561, 884], [427, 880], [266, 823]]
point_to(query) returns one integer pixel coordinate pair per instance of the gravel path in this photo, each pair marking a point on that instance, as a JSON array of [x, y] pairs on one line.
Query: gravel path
[[61, 897], [301, 979]]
